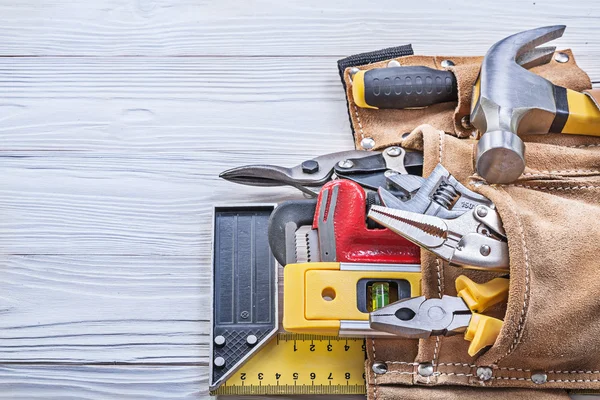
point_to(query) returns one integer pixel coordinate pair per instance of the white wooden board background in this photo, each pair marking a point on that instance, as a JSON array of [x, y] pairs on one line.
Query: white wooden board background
[[116, 117]]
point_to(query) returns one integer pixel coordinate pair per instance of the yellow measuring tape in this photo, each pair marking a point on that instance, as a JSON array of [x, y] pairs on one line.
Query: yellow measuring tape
[[302, 364]]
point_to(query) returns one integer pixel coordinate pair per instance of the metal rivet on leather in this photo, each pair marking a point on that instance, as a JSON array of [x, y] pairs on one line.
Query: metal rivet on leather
[[353, 71], [447, 63], [561, 57], [367, 143], [379, 367], [539, 378], [393, 63], [484, 373], [466, 122], [425, 369]]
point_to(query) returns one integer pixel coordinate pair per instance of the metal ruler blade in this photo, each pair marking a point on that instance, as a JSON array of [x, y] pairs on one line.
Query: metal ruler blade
[[301, 364]]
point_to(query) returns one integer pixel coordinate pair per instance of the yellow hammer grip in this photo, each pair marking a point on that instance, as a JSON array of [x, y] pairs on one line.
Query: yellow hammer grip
[[584, 115]]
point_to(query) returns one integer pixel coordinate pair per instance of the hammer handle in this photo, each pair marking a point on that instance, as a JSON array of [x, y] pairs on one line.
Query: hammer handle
[[403, 87]]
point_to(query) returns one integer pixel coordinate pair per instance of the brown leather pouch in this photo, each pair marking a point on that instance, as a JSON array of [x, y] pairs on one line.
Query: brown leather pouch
[[550, 339]]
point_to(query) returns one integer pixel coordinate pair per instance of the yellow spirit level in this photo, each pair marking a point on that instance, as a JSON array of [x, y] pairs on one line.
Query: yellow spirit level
[[330, 298]]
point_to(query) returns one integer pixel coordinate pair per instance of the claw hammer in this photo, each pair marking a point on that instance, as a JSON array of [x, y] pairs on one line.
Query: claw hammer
[[508, 100]]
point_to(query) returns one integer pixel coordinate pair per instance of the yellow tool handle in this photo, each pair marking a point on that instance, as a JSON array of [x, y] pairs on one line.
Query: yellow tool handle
[[584, 115], [482, 332], [481, 296]]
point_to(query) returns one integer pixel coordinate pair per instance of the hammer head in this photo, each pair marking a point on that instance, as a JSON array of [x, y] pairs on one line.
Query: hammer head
[[509, 100]]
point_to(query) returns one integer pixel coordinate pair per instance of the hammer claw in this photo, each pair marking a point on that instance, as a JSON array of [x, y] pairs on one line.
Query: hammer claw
[[523, 42], [536, 57]]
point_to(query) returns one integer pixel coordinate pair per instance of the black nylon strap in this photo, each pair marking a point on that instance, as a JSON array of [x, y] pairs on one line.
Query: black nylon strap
[[368, 58], [562, 109]]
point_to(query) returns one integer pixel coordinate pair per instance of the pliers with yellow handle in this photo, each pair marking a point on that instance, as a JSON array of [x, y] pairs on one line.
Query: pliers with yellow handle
[[419, 317]]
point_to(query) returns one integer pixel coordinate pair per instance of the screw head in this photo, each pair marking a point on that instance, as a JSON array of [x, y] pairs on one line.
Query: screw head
[[220, 340], [367, 143], [353, 71], [379, 367], [484, 373], [485, 250], [310, 167], [345, 164], [393, 63], [219, 362], [561, 57], [482, 212], [539, 378], [447, 63], [425, 369], [244, 314], [389, 173], [251, 340]]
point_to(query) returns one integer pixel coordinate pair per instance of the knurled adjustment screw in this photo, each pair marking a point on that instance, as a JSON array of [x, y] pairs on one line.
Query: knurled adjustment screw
[[310, 167]]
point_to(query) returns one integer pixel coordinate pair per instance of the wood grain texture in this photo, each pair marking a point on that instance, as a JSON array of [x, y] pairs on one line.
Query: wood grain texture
[[264, 27], [116, 118], [104, 309]]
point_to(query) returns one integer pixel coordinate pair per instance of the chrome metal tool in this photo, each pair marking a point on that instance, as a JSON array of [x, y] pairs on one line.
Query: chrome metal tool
[[367, 168], [439, 195], [474, 240], [419, 317]]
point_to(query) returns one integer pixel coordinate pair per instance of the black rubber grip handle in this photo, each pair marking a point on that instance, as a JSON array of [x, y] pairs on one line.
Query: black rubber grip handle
[[408, 87]]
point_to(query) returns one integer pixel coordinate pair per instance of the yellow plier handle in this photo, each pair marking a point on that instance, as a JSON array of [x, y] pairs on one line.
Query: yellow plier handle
[[482, 330]]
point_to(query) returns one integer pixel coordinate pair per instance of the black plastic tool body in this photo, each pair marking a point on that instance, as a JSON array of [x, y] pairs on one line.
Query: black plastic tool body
[[244, 288], [408, 87]]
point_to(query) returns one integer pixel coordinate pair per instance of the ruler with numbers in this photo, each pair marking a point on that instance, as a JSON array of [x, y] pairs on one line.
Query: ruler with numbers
[[301, 364]]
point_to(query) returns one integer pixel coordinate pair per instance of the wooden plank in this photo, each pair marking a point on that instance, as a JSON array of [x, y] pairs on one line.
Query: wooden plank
[[105, 309], [162, 105], [112, 382], [122, 204], [311, 27], [102, 382], [165, 105]]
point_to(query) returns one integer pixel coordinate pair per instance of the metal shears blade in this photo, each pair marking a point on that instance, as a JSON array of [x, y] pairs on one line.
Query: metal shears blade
[[367, 168]]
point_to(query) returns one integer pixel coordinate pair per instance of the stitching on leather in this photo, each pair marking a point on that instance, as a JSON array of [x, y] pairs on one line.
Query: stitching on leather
[[374, 374], [452, 373], [402, 372], [362, 133], [441, 141], [459, 364], [581, 146], [557, 188], [526, 294], [573, 380], [574, 372], [402, 363], [509, 378], [439, 277], [574, 171], [514, 369]]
